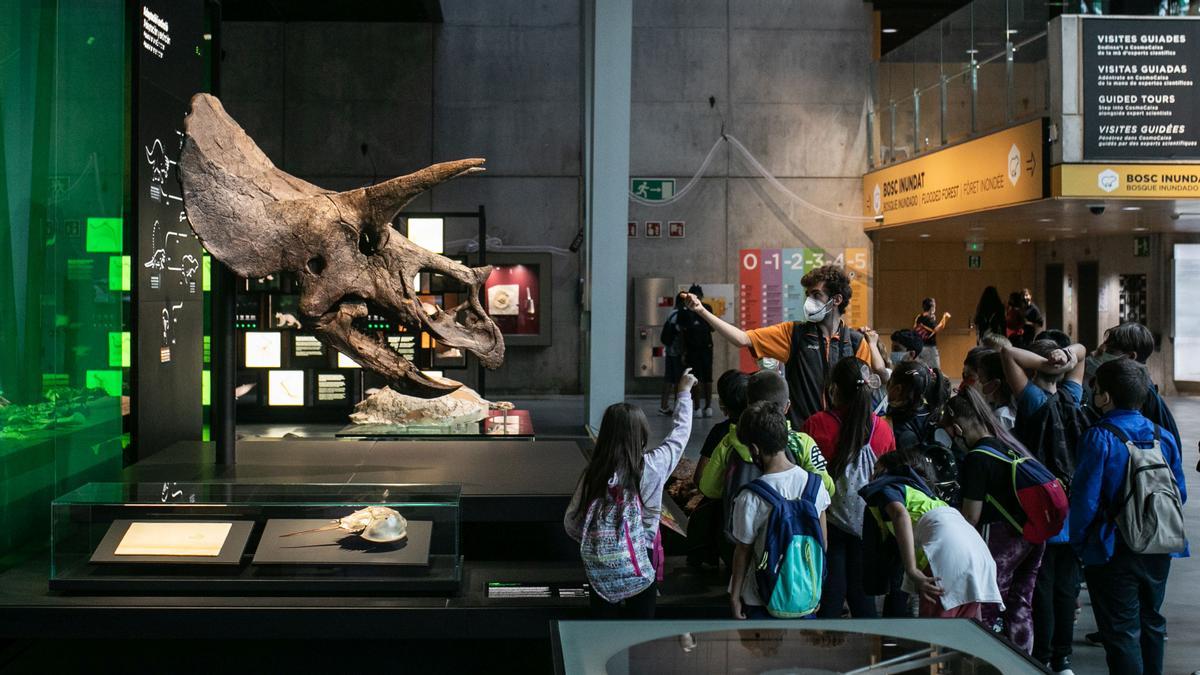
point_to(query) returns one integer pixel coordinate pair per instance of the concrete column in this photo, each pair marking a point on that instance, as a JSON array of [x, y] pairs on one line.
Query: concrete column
[[607, 55]]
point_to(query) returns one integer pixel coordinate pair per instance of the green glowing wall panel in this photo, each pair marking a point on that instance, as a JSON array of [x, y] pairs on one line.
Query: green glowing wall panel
[[62, 297]]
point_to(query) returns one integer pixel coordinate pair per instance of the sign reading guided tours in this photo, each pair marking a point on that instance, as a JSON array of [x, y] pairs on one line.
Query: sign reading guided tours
[[1140, 94], [996, 170]]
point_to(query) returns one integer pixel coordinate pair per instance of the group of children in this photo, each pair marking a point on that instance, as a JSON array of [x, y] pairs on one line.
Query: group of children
[[952, 503]]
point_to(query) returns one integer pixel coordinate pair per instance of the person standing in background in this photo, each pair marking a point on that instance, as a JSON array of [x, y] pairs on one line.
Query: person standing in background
[[989, 314], [698, 351], [927, 326], [1014, 320], [1034, 321], [673, 344]]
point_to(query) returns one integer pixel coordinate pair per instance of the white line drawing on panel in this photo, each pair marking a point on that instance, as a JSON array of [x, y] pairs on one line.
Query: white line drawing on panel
[[160, 260]]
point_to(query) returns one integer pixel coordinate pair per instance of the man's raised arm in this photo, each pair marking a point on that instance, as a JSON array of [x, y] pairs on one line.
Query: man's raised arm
[[732, 334]]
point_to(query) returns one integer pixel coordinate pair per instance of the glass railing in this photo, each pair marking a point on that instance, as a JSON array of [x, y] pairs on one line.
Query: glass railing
[[980, 69]]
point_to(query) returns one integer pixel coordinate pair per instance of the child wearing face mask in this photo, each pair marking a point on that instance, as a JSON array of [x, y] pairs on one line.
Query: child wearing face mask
[[989, 499], [990, 382]]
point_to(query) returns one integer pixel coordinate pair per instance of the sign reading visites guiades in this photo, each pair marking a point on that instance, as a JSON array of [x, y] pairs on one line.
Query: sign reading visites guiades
[[1140, 95]]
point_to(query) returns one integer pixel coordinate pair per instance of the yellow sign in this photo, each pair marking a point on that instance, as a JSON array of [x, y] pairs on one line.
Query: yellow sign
[[996, 170], [1127, 181]]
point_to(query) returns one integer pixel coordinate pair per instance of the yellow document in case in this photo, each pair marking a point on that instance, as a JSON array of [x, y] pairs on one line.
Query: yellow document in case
[[174, 539]]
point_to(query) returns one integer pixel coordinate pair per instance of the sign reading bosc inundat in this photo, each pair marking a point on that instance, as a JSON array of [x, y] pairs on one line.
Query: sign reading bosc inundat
[[996, 170], [1138, 181]]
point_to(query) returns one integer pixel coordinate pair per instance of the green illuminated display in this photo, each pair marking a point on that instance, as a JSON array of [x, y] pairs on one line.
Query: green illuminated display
[[206, 387], [108, 380], [54, 381], [206, 273], [120, 273], [105, 235], [118, 349]]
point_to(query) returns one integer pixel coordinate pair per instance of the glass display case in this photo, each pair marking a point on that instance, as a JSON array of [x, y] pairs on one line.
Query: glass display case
[[947, 646], [239, 538]]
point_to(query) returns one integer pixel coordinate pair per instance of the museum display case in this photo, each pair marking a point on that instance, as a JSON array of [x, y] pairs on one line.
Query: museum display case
[[951, 647], [241, 538]]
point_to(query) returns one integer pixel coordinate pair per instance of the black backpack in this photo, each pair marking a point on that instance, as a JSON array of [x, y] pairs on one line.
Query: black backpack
[[1052, 435]]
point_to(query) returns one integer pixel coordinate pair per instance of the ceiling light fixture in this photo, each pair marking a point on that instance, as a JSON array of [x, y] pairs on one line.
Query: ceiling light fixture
[[890, 31], [925, 235], [1140, 229], [1045, 220], [1131, 208]]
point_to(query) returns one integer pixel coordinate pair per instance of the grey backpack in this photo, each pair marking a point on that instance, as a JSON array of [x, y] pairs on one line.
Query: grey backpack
[[847, 507], [1149, 515]]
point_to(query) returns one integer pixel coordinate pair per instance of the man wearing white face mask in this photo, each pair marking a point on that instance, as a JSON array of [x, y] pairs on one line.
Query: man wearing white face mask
[[809, 348]]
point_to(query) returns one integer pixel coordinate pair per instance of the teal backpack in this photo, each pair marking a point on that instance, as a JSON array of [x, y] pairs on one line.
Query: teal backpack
[[792, 568]]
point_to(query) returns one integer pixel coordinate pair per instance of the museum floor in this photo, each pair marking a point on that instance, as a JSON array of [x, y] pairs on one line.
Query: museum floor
[[460, 633]]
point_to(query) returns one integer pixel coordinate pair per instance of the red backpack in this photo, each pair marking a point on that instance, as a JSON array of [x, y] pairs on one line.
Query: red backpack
[[1039, 493]]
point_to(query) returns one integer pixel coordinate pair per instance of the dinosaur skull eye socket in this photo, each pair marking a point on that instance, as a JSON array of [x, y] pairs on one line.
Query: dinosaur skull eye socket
[[367, 244], [316, 265]]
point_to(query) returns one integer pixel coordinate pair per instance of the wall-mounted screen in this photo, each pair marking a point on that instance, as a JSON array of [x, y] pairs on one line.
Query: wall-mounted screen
[[264, 350], [344, 361], [285, 387]]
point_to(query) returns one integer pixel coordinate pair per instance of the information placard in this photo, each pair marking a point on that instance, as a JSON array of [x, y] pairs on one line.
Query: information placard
[[1140, 97]]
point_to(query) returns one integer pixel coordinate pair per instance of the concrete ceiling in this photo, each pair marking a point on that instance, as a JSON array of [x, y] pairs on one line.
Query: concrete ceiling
[[1051, 220], [909, 17], [397, 11]]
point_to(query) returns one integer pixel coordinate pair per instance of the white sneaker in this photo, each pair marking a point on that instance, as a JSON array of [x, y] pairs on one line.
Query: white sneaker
[[708, 412]]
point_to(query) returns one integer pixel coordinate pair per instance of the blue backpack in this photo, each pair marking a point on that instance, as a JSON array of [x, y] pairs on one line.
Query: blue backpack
[[792, 567]]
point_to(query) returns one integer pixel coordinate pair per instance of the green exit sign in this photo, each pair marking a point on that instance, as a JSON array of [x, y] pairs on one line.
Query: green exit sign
[[1141, 247], [974, 262], [974, 246], [652, 189]]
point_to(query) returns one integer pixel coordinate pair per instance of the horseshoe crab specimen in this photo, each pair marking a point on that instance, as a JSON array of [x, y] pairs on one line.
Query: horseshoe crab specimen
[[376, 524]]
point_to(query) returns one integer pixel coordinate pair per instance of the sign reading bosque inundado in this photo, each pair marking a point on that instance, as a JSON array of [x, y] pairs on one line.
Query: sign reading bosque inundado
[[996, 170]]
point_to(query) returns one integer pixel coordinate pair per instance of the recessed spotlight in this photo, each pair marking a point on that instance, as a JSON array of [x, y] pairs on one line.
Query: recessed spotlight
[[888, 240], [925, 235], [1045, 220], [1131, 208], [891, 644], [972, 52], [1024, 240], [1140, 229], [889, 31], [1012, 31]]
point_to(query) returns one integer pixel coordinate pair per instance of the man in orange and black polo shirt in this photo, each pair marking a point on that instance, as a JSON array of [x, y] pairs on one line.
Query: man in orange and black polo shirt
[[807, 348]]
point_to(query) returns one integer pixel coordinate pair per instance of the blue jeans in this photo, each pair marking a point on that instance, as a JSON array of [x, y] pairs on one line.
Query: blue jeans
[[1127, 593]]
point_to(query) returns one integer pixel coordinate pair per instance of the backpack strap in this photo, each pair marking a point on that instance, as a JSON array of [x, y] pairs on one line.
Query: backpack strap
[[1117, 431], [766, 492], [997, 453], [812, 488]]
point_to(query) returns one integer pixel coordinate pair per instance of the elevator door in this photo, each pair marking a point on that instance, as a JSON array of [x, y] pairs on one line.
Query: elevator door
[[1052, 303], [1088, 293]]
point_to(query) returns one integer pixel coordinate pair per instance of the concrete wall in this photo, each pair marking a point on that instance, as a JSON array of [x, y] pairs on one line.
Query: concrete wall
[[789, 79], [501, 79], [497, 79]]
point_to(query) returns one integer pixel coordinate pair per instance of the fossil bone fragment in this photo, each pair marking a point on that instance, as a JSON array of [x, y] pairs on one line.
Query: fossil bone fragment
[[376, 524], [259, 220]]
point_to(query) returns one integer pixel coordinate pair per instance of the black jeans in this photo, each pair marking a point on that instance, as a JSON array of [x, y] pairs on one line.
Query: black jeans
[[1054, 603], [1127, 593], [844, 578], [640, 606]]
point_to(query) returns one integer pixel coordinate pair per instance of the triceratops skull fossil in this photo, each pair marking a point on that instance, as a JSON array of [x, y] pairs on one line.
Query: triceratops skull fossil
[[259, 220]]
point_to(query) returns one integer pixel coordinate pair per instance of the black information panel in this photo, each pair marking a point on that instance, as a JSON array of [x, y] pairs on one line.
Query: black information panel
[[170, 60], [1140, 94]]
